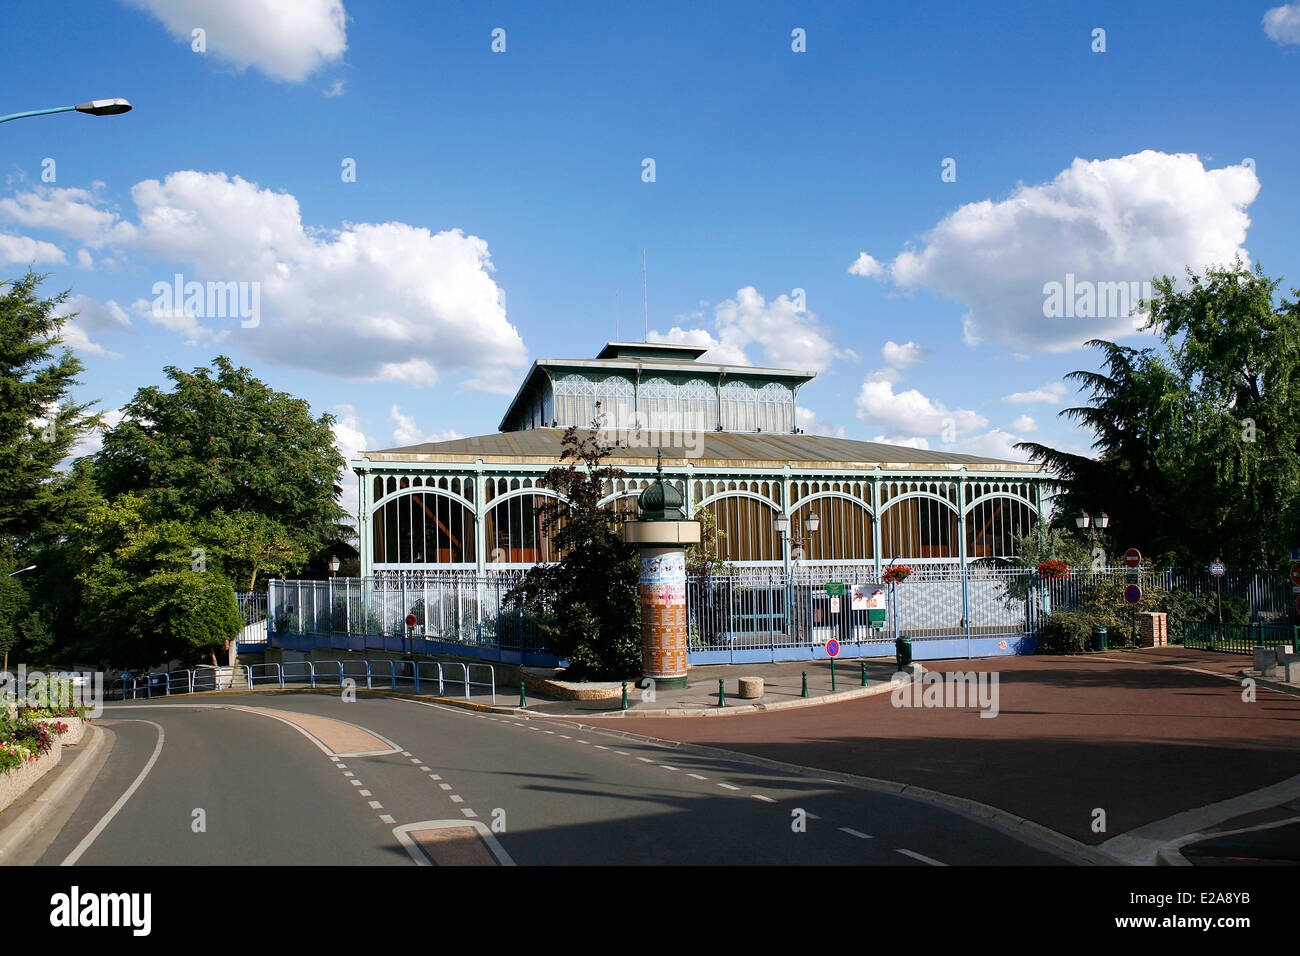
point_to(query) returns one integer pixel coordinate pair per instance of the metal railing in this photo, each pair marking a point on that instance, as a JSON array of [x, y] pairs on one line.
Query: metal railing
[[313, 674], [1239, 638]]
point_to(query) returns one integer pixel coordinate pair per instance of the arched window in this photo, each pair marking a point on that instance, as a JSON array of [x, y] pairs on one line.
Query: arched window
[[575, 401], [843, 534], [776, 408], [516, 532], [745, 529], [422, 528], [992, 526], [918, 528], [616, 396], [698, 402], [738, 407], [658, 404]]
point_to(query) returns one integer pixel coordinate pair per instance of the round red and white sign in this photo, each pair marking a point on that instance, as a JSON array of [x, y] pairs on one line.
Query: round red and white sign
[[1132, 558]]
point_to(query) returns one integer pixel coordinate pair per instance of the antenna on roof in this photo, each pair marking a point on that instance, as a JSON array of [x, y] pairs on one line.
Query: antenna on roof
[[645, 299]]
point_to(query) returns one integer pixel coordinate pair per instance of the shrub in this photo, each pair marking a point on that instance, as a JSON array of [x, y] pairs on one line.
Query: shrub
[[1065, 632]]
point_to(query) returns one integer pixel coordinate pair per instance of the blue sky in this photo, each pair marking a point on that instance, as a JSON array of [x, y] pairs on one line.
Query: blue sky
[[500, 204]]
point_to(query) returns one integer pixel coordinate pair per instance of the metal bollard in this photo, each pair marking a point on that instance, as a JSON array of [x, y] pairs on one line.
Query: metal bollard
[[624, 695], [523, 695], [805, 684], [864, 673], [722, 694], [832, 675]]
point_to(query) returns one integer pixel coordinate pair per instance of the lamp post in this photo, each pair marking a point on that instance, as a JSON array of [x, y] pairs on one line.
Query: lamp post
[[1086, 522], [92, 108], [811, 523]]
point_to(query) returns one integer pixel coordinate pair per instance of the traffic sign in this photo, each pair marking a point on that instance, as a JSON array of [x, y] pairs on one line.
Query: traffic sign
[[1132, 594], [1295, 574], [835, 605], [1218, 569], [1132, 558], [411, 620], [835, 588], [832, 647]]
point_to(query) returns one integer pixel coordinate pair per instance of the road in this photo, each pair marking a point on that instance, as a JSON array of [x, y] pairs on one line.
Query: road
[[313, 779]]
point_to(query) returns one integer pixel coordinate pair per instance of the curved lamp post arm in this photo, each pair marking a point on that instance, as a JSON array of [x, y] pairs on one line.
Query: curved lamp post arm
[[93, 107]]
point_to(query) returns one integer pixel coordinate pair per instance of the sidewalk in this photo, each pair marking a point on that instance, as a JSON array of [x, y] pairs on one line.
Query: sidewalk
[[782, 685]]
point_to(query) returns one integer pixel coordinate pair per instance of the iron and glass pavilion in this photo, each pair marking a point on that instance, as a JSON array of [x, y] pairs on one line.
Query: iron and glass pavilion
[[730, 445]]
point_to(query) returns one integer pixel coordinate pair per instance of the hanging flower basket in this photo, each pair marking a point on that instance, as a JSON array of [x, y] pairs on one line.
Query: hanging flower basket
[[897, 574], [1052, 570]]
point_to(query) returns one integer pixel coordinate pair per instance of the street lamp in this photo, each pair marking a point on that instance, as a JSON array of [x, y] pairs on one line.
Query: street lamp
[[92, 107], [334, 564], [30, 567], [811, 523]]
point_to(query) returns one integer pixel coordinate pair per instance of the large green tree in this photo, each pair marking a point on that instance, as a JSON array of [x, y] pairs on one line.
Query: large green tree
[[587, 603], [1198, 444], [225, 442]]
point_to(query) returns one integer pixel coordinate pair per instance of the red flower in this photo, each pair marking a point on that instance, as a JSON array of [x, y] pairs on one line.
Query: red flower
[[1053, 569]]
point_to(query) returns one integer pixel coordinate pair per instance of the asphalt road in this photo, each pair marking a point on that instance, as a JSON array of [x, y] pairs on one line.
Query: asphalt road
[[267, 793]]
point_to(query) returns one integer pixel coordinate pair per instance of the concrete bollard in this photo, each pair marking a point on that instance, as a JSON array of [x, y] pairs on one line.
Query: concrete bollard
[[749, 688]]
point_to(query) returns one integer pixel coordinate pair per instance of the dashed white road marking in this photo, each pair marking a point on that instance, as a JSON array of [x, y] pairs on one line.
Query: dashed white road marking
[[455, 798], [355, 783], [387, 819], [697, 776], [852, 832], [645, 759], [601, 747], [759, 796], [376, 805], [349, 774], [365, 793], [727, 786], [406, 753], [444, 786], [621, 753], [922, 857], [665, 766], [426, 770], [468, 812]]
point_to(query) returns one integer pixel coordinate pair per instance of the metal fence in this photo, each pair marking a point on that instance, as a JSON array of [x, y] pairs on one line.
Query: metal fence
[[1239, 638], [1267, 593]]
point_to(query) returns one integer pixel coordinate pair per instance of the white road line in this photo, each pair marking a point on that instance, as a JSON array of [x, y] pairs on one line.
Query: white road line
[[455, 798], [416, 760], [852, 832], [406, 753], [566, 736], [759, 796], [335, 759], [601, 747], [621, 753], [445, 786], [581, 741], [727, 786], [349, 774], [107, 818], [811, 815], [697, 776], [665, 766], [387, 819], [376, 805], [355, 783], [645, 759], [426, 769], [468, 812], [924, 859], [434, 776]]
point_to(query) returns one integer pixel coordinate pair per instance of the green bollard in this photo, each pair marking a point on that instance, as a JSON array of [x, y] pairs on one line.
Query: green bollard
[[722, 694], [805, 684], [864, 673], [832, 675], [523, 695], [625, 695]]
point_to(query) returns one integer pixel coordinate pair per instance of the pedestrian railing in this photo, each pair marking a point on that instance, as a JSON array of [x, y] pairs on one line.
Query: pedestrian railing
[[420, 676], [1239, 638]]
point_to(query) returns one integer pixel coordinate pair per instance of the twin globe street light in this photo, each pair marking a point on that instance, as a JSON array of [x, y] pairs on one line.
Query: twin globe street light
[[811, 523]]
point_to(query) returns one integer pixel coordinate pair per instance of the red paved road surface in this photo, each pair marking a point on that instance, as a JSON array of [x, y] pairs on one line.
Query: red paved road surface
[[1127, 733]]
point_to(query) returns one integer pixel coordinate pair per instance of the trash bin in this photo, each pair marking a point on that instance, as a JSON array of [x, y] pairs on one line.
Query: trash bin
[[903, 649], [1099, 638]]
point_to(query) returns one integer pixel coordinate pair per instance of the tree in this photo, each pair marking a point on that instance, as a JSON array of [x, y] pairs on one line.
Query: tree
[[142, 590], [39, 424], [587, 603], [1198, 452], [250, 544], [228, 443]]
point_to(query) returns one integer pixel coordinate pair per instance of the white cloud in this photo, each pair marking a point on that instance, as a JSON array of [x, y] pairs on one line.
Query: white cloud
[[901, 356], [995, 443], [1282, 24], [350, 439], [335, 89], [77, 213], [407, 432], [386, 301], [24, 250], [1051, 394], [175, 320], [91, 316], [867, 266], [285, 39], [904, 441], [786, 337], [1114, 220], [910, 411], [808, 420], [1025, 423]]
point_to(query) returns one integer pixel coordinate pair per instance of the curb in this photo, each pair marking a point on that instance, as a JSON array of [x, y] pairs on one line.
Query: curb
[[1003, 820], [14, 835]]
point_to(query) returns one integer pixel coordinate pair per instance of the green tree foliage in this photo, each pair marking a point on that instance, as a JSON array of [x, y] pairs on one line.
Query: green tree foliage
[[587, 603], [1198, 450], [225, 442], [248, 545], [141, 593]]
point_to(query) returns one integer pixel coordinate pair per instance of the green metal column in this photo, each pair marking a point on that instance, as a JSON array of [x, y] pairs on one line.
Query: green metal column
[[875, 520]]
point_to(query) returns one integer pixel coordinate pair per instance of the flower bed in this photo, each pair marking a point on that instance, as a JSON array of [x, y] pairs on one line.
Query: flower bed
[[15, 782], [29, 747]]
